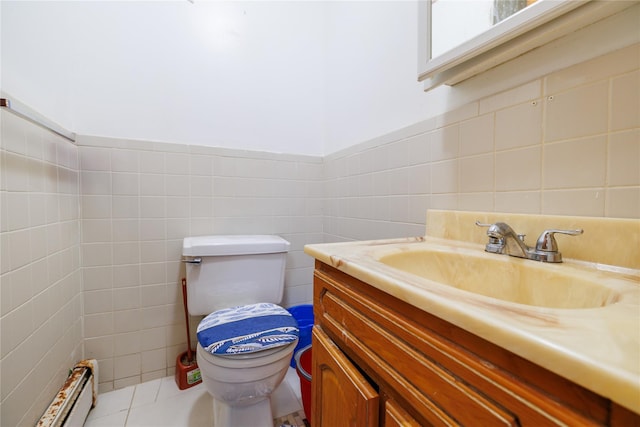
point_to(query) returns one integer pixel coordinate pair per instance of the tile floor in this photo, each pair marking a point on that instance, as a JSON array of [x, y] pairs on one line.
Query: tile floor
[[162, 403]]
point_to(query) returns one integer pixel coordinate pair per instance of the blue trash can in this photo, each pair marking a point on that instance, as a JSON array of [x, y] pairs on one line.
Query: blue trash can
[[304, 316]]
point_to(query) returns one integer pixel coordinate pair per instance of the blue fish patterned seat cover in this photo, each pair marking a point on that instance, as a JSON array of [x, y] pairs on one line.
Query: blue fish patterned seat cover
[[247, 329]]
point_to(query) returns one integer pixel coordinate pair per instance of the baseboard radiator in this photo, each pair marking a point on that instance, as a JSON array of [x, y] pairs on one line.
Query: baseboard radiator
[[75, 399]]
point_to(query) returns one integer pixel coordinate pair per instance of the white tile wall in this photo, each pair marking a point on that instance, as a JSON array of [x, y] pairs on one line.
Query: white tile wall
[[566, 144], [40, 280]]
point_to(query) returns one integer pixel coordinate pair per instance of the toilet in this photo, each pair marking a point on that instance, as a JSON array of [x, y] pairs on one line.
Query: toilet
[[245, 341]]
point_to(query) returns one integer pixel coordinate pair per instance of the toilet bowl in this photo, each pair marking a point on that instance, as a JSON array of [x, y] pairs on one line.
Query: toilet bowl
[[244, 380], [246, 340]]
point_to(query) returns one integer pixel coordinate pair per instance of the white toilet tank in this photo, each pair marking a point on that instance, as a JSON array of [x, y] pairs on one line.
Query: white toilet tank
[[231, 270]]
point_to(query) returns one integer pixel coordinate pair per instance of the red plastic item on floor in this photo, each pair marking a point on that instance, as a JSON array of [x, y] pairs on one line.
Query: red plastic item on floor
[[303, 368]]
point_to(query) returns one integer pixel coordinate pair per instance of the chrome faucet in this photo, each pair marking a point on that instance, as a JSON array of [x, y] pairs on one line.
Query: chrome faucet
[[503, 240]]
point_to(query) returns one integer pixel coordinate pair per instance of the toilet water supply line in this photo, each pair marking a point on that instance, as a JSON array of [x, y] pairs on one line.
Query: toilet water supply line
[[186, 318]]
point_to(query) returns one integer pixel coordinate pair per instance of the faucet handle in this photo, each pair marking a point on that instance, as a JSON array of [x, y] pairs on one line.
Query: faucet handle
[[481, 224], [493, 230], [547, 242]]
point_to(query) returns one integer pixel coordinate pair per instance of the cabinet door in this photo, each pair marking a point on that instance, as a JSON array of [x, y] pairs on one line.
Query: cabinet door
[[342, 397]]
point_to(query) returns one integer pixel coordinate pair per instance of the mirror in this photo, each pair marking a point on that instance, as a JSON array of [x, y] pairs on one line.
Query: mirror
[[453, 22], [458, 39]]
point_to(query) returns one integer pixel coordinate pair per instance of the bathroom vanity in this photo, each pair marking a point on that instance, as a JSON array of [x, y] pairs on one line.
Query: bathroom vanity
[[394, 347]]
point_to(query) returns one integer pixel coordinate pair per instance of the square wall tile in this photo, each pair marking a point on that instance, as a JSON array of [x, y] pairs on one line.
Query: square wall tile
[[126, 275], [37, 177], [125, 160], [477, 135], [153, 338], [18, 214], [153, 229], [624, 158], [96, 325], [21, 286], [579, 112], [178, 185], [15, 172], [477, 174], [126, 253], [518, 202], [396, 154], [95, 183], [518, 170], [95, 159], [98, 348], [125, 230], [152, 162], [94, 278], [177, 164], [482, 202], [152, 185], [444, 143], [153, 317], [625, 101], [95, 207], [98, 301], [152, 207], [201, 165], [420, 179], [125, 184], [96, 230], [444, 201], [126, 366], [126, 321], [153, 295], [96, 254], [587, 202], [444, 177], [178, 207], [418, 149], [154, 360], [575, 164], [519, 126], [201, 186], [106, 371], [126, 298], [623, 202], [17, 326], [128, 343]]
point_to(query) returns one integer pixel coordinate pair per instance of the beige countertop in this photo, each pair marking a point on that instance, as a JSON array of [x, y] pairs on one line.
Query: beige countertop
[[598, 348]]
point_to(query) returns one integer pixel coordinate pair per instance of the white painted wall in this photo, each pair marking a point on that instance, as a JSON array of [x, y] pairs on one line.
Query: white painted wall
[[230, 74], [371, 63], [299, 77]]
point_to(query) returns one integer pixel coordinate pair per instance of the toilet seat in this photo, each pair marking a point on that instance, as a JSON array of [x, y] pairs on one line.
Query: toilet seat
[[247, 329], [244, 361], [252, 355]]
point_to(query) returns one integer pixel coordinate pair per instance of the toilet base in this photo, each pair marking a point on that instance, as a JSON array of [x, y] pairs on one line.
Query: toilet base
[[257, 415]]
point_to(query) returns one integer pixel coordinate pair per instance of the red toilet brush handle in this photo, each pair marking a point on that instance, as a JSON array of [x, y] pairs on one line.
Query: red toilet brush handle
[[186, 319]]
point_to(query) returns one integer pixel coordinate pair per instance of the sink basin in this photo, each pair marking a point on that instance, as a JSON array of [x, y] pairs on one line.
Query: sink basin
[[507, 278]]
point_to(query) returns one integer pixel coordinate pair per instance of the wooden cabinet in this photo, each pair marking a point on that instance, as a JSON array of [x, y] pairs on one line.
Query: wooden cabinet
[[381, 361]]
